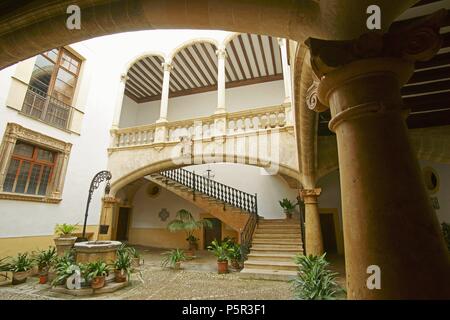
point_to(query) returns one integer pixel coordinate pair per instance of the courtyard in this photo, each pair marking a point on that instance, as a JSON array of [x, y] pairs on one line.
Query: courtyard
[[198, 280]]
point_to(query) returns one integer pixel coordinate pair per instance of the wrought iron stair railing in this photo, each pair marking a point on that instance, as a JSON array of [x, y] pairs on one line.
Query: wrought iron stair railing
[[223, 193]]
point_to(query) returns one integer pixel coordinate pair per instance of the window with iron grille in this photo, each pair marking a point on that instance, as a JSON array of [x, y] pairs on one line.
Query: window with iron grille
[[52, 87], [30, 170]]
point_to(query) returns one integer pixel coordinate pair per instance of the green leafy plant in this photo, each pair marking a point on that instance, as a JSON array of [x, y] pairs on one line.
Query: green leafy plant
[[234, 249], [446, 233], [64, 267], [21, 263], [184, 221], [314, 280], [131, 251], [123, 262], [173, 257], [287, 205], [45, 258], [97, 269], [220, 250], [65, 229]]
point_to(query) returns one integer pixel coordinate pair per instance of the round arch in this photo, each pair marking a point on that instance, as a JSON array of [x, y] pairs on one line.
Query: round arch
[[189, 43]]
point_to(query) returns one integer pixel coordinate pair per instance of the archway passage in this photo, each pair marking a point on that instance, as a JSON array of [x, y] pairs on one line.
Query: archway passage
[[29, 28]]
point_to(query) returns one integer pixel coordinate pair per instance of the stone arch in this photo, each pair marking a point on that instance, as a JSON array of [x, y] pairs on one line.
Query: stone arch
[[166, 164], [143, 55], [189, 43], [29, 29]]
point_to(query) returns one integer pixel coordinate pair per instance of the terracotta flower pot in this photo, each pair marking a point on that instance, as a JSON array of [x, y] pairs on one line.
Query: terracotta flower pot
[[98, 282], [177, 265], [288, 214], [51, 275], [222, 267], [43, 278], [20, 277], [235, 264], [120, 276]]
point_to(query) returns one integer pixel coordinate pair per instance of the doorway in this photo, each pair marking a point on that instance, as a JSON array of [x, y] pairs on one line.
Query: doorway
[[122, 224], [327, 225], [214, 233]]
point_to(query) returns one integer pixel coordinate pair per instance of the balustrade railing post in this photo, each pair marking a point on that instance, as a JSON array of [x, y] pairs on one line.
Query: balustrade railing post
[[193, 185]]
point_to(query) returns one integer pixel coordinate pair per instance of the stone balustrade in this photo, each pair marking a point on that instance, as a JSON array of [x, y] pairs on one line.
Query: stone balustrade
[[241, 122]]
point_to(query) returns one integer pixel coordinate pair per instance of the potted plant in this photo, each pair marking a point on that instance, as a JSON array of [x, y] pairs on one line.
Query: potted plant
[[64, 267], [122, 266], [288, 207], [184, 221], [314, 280], [97, 271], [66, 239], [173, 258], [44, 259], [135, 256], [235, 254], [20, 266], [221, 251]]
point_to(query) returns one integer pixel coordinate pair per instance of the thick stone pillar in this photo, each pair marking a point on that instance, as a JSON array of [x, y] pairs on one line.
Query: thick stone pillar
[[221, 56], [389, 223], [165, 92], [286, 70], [313, 232]]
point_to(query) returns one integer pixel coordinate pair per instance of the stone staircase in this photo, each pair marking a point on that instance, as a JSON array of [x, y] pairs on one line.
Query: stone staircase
[[235, 217], [275, 243]]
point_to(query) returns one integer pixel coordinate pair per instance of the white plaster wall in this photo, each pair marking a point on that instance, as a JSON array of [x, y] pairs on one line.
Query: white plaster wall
[[203, 104], [146, 208], [97, 95], [252, 179]]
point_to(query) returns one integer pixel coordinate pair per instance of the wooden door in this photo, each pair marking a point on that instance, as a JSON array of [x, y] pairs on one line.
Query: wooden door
[[328, 232], [214, 233], [122, 224]]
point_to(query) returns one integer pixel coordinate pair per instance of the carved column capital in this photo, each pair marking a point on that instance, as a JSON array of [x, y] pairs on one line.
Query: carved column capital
[[310, 196], [167, 66], [124, 77], [221, 53]]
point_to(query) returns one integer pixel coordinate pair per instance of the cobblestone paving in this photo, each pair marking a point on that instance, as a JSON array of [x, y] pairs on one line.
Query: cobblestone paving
[[156, 283]]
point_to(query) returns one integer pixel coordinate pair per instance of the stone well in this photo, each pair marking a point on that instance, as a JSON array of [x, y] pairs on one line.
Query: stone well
[[91, 251]]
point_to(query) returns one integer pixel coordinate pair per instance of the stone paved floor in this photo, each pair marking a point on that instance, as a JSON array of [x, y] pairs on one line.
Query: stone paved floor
[[197, 281]]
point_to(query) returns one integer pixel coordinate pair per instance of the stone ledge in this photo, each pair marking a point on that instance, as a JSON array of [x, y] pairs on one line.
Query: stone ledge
[[108, 288], [26, 197]]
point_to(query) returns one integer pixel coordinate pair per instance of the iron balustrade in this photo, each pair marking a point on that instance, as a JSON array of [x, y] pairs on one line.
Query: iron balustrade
[[40, 105], [226, 194]]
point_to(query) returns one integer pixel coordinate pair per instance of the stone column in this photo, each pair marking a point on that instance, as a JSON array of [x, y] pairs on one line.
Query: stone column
[[107, 217], [286, 70], [389, 223], [221, 56], [165, 92], [313, 232], [119, 101]]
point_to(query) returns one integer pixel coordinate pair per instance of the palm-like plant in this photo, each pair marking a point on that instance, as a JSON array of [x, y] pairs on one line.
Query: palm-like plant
[[173, 257], [45, 258], [123, 262], [65, 229], [20, 263], [220, 250], [287, 205], [184, 221], [314, 280]]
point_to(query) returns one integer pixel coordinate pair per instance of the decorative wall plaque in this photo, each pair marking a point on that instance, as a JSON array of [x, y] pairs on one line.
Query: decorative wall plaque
[[163, 214]]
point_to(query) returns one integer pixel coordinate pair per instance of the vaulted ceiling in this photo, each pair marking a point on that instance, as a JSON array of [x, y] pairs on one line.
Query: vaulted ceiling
[[251, 59], [427, 93]]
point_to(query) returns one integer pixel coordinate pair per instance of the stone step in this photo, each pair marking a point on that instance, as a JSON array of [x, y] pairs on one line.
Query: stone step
[[278, 225], [272, 256], [277, 231], [270, 265], [275, 241], [276, 247], [277, 236], [264, 274], [281, 221]]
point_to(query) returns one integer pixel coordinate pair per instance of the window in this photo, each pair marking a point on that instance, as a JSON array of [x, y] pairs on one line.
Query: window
[[52, 87], [32, 165], [30, 170]]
